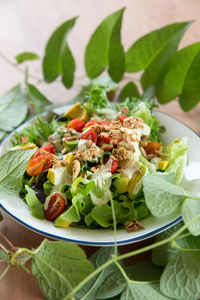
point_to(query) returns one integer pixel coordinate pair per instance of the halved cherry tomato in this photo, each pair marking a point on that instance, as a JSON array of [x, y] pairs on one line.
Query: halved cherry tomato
[[90, 123], [55, 207], [152, 147], [122, 118], [76, 124], [39, 164], [43, 149], [90, 135], [113, 164]]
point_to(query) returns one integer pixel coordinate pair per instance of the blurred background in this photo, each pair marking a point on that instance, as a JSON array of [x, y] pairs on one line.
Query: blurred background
[[25, 25]]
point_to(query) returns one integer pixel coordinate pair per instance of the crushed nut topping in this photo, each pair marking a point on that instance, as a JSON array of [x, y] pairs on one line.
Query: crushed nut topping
[[70, 136], [122, 154], [133, 226], [133, 123], [95, 169], [124, 110], [76, 167], [58, 163], [23, 139], [86, 151]]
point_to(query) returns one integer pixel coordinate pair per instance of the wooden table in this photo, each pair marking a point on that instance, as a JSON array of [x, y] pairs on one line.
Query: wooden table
[[25, 25]]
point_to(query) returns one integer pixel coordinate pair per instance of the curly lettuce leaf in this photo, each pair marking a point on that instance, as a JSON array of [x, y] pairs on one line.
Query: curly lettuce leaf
[[178, 158], [36, 206]]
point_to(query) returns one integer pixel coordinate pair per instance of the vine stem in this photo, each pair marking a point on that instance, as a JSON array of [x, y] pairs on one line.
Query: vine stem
[[18, 252], [122, 271], [115, 259], [6, 240], [18, 68], [4, 272]]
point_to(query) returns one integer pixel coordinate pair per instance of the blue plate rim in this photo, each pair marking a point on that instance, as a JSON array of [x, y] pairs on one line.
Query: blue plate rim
[[123, 242]]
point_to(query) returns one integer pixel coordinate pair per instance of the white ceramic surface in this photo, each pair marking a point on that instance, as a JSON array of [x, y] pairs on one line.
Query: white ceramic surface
[[17, 209]]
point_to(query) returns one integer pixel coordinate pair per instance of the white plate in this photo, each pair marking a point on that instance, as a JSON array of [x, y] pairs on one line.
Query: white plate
[[17, 209]]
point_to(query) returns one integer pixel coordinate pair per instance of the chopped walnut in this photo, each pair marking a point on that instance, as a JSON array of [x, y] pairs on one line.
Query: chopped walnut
[[133, 225], [133, 123], [86, 151], [95, 169], [58, 163], [70, 136], [23, 139], [121, 153], [124, 110], [76, 167]]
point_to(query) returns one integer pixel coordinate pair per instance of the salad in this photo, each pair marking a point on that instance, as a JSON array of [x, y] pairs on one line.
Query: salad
[[93, 158]]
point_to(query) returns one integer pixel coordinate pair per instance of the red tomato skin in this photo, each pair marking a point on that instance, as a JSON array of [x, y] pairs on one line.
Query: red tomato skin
[[39, 164], [47, 148], [105, 123], [55, 207], [122, 118], [90, 123], [114, 164], [76, 124], [90, 135]]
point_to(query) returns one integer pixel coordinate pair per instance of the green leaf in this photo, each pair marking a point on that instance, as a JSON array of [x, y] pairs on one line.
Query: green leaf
[[190, 210], [181, 277], [115, 283], [143, 291], [163, 254], [25, 56], [90, 290], [162, 198], [4, 256], [36, 206], [105, 49], [171, 83], [13, 165], [129, 90], [102, 215], [37, 98], [105, 81], [11, 102], [151, 51], [2, 135], [58, 59], [59, 267], [190, 95]]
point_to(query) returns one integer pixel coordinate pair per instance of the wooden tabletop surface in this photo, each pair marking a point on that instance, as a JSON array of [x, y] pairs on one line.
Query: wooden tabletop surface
[[26, 25]]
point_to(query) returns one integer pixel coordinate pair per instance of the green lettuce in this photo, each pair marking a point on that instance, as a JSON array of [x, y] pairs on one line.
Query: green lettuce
[[178, 159], [36, 206]]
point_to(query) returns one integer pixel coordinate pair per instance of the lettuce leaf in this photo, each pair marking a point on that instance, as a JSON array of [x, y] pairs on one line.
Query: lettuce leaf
[[178, 158], [36, 206]]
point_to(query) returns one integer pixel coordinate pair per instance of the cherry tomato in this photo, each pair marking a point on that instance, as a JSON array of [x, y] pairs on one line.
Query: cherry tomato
[[105, 123], [90, 135], [122, 118], [39, 164], [152, 147], [90, 123], [55, 207], [113, 164], [76, 124], [43, 149], [108, 140]]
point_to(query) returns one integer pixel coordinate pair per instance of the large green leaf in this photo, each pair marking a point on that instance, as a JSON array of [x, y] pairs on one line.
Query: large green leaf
[[181, 277], [58, 58], [171, 83], [190, 210], [37, 99], [190, 95], [150, 52], [13, 109], [13, 165], [143, 291], [129, 90], [162, 198], [90, 290], [59, 267], [105, 49]]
